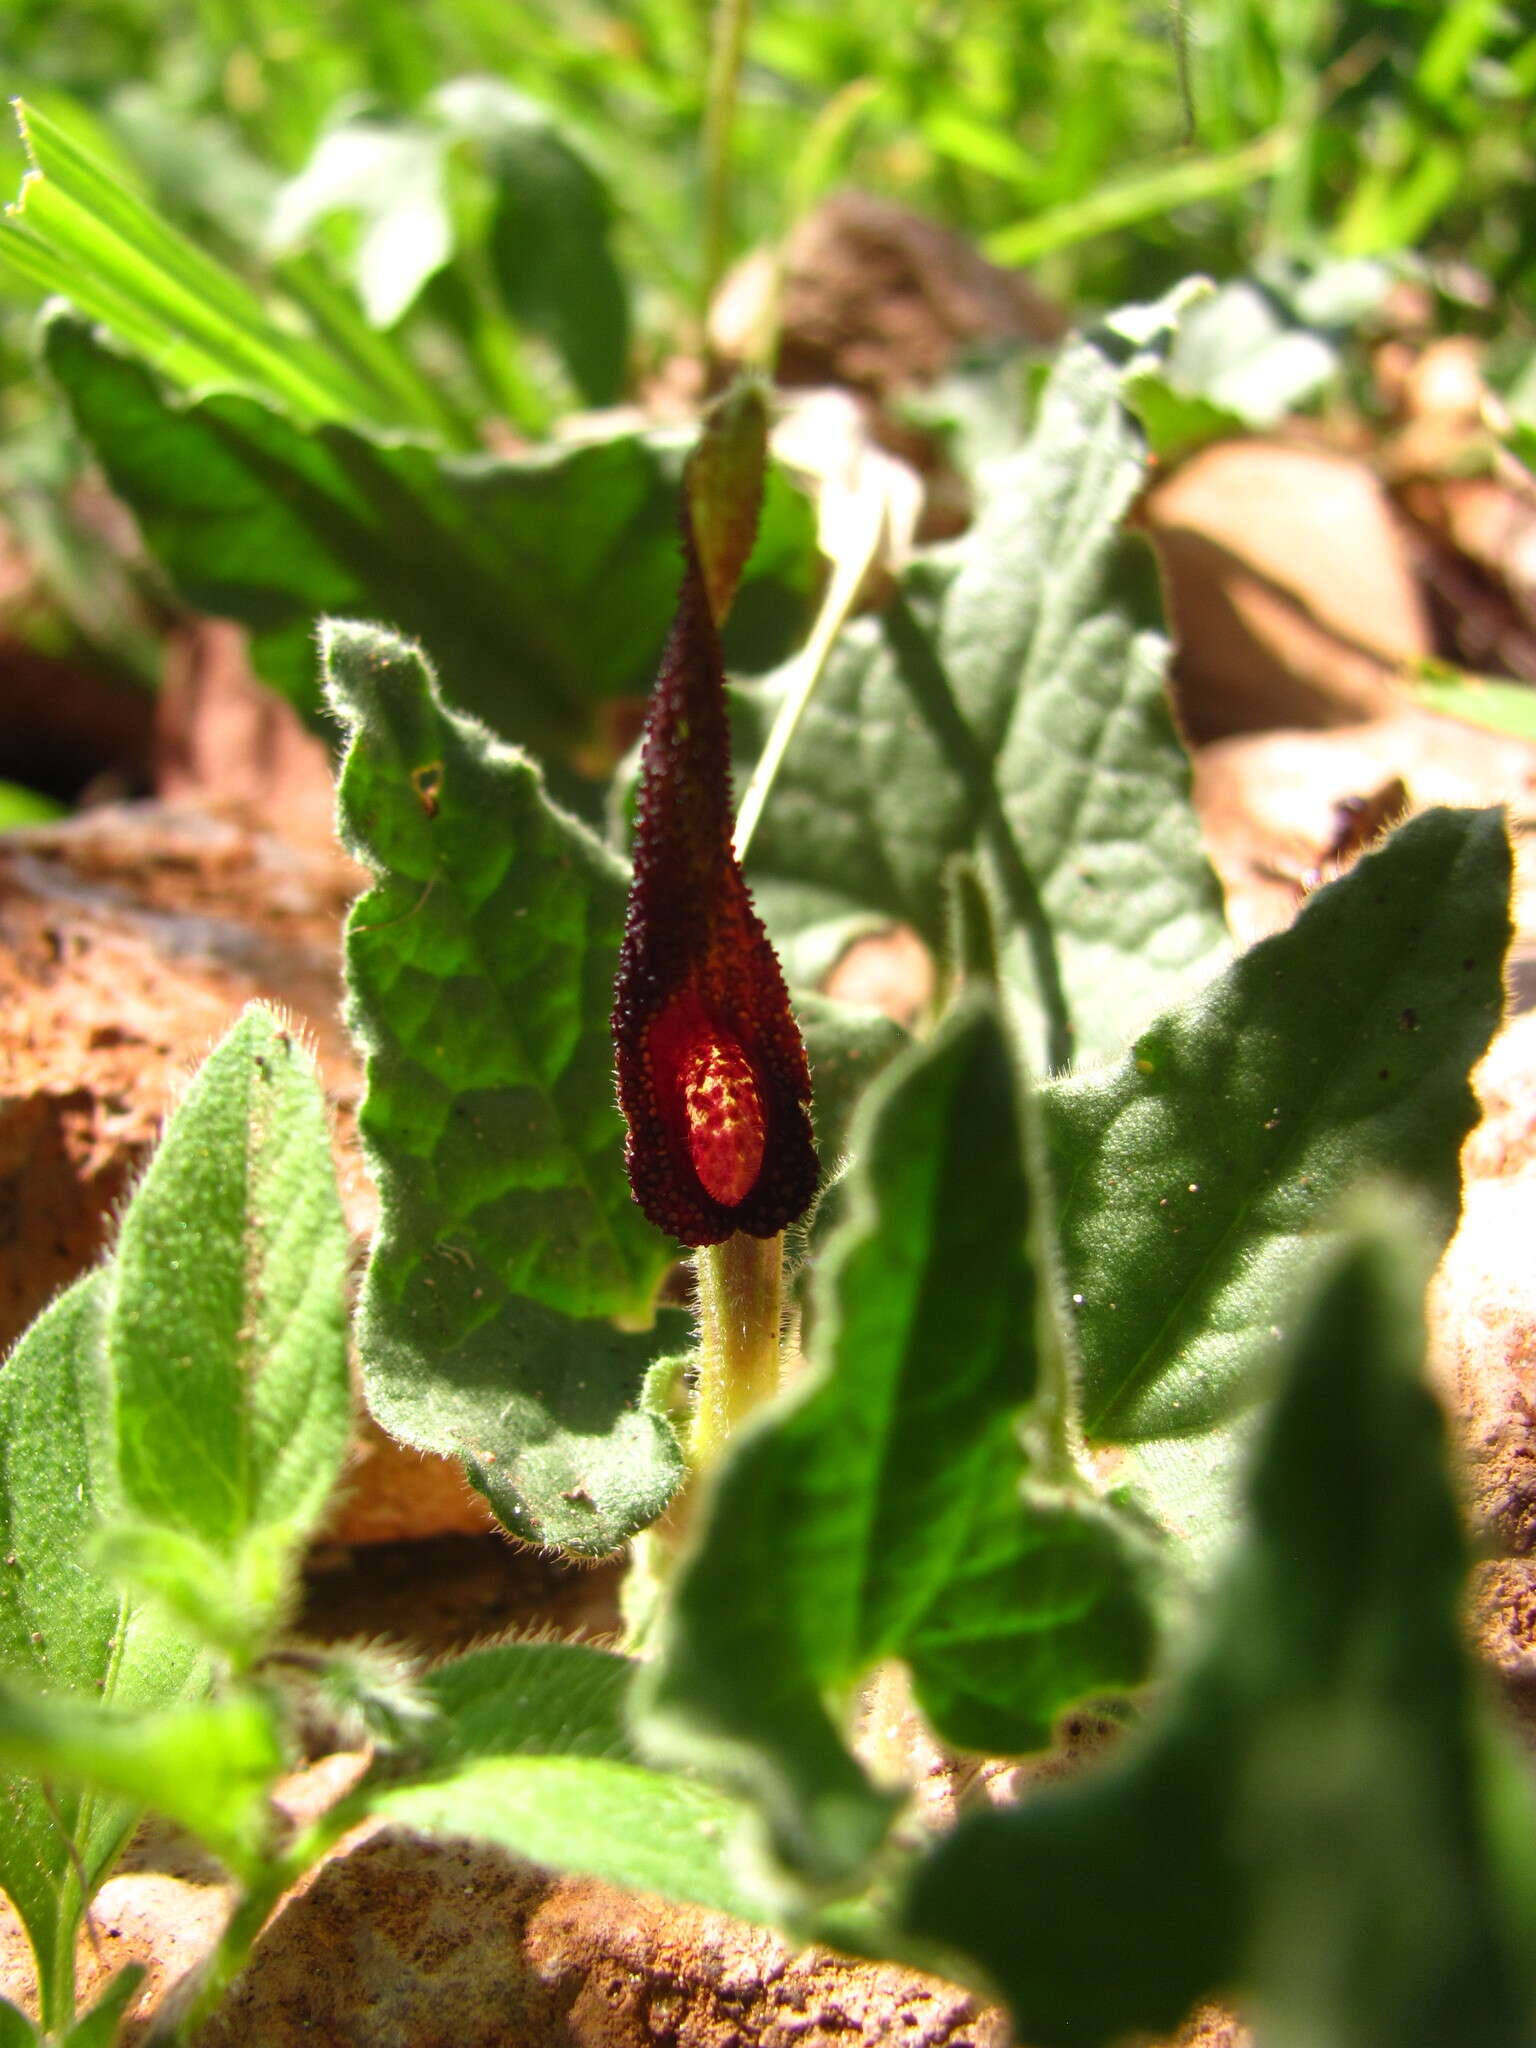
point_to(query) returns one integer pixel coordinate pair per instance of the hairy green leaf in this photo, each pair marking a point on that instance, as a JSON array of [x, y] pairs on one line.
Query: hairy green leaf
[[847, 1045], [226, 1337], [63, 1630], [1192, 1175], [647, 1830], [480, 969], [883, 1509], [207, 1766], [542, 584], [1010, 704], [194, 1393], [1310, 1819], [529, 1751], [531, 1699]]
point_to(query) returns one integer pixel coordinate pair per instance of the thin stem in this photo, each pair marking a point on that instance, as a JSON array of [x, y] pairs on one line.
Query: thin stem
[[56, 1983], [740, 1287], [842, 592], [265, 1885], [727, 49]]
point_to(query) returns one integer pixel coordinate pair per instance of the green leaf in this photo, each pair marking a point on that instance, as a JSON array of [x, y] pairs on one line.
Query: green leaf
[[226, 1340], [1240, 352], [99, 2027], [531, 1699], [542, 585], [1010, 705], [1193, 1174], [1308, 1820], [207, 1767], [646, 1830], [550, 228], [230, 1602], [394, 176], [1245, 354], [883, 1509], [63, 1630], [529, 1751], [1176, 422], [480, 969], [21, 807], [847, 1046], [1481, 700], [16, 2030], [723, 489]]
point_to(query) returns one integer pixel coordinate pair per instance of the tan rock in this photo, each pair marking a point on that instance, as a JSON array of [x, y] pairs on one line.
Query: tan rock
[[130, 939], [226, 742], [391, 1491], [401, 1943], [131, 936], [891, 971], [1482, 1322], [1483, 1304], [1292, 600], [167, 1922], [1270, 804]]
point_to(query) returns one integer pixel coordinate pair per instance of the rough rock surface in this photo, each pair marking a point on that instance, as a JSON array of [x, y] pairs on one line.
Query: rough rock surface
[[1483, 1347], [1270, 807], [403, 1943], [130, 938]]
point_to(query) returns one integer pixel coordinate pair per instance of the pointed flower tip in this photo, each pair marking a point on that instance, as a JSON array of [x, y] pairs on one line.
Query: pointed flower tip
[[723, 489], [712, 1074]]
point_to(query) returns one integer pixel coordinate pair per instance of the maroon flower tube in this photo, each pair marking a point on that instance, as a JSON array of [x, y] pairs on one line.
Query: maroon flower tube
[[712, 1073]]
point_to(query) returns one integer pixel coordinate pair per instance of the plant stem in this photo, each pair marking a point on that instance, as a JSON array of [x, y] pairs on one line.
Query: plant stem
[[727, 48], [265, 1885], [56, 1982], [848, 573], [740, 1287]]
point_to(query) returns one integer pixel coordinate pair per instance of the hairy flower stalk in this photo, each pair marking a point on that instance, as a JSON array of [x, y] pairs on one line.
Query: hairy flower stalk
[[712, 1074]]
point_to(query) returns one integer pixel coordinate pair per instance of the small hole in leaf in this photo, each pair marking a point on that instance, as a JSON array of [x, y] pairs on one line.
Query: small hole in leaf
[[427, 782]]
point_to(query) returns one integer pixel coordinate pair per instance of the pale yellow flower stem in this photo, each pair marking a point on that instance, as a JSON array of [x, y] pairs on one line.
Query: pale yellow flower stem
[[741, 1314]]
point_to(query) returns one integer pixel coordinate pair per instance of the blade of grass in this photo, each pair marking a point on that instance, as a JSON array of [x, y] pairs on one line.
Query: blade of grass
[[727, 49], [76, 229], [1138, 198]]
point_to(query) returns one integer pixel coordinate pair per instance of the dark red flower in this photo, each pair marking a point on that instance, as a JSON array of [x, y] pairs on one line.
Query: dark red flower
[[712, 1073]]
